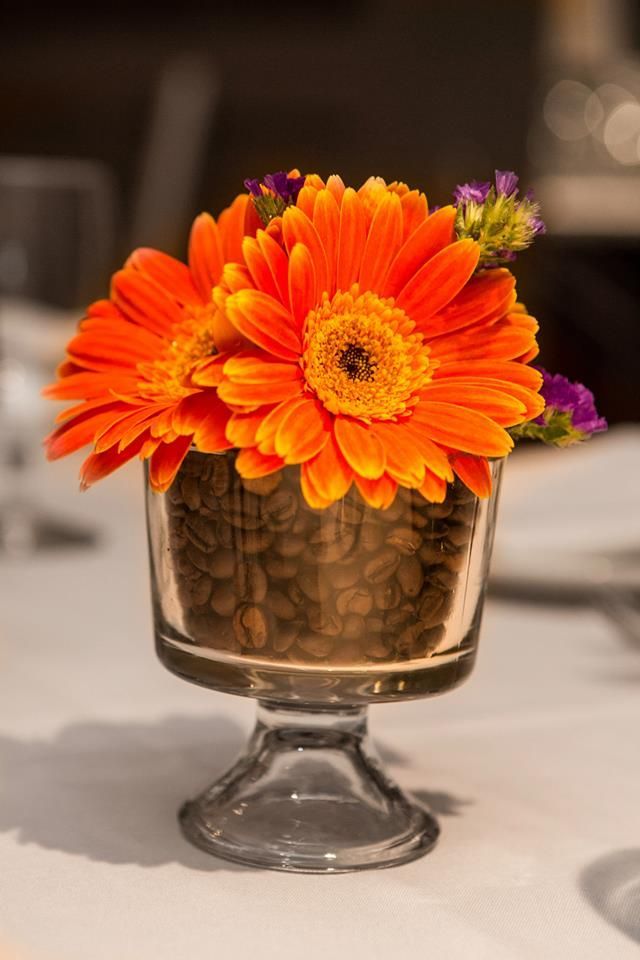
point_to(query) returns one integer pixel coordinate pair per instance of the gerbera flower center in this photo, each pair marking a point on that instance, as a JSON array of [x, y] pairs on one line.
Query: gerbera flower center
[[363, 357], [170, 376]]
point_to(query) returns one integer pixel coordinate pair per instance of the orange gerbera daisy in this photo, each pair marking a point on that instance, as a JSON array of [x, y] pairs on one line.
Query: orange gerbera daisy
[[373, 351], [132, 362]]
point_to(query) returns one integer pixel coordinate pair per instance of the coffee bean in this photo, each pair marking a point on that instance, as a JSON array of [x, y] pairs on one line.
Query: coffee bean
[[250, 626], [198, 558], [400, 616], [221, 564], [330, 551], [394, 512], [410, 576], [432, 552], [263, 486], [353, 627], [190, 491], [223, 600], [295, 594], [286, 635], [436, 531], [354, 600], [346, 575], [387, 595], [458, 535], [250, 582], [289, 546], [316, 646], [280, 510], [220, 478], [377, 648], [371, 536], [201, 532], [437, 511], [323, 621], [464, 512], [224, 533], [281, 605], [404, 539], [382, 566], [313, 586], [280, 568], [255, 541], [202, 590]]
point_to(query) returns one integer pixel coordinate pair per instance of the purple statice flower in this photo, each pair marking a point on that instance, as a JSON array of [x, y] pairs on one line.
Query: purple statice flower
[[285, 187], [253, 186], [562, 396], [506, 182], [476, 191]]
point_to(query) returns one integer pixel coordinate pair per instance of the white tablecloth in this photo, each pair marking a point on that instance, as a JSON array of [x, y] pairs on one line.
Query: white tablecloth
[[532, 768]]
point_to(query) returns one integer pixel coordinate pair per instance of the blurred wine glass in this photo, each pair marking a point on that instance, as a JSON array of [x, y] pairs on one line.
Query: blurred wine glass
[[56, 245]]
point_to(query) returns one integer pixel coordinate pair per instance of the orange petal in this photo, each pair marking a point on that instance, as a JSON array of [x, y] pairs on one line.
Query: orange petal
[[258, 268], [431, 236], [379, 493], [383, 242], [329, 473], [302, 284], [499, 369], [266, 432], [310, 492], [298, 228], [254, 394], [474, 473], [251, 464], [486, 296], [277, 262], [210, 372], [414, 212], [351, 239], [303, 432], [326, 220], [145, 302], [361, 448], [167, 272], [307, 200], [99, 465], [265, 322], [203, 417], [403, 459], [242, 427], [249, 367], [81, 386], [335, 186], [462, 429], [532, 402], [501, 407], [439, 280], [435, 459], [206, 257], [165, 463], [231, 224], [82, 429], [133, 417], [433, 488], [495, 341]]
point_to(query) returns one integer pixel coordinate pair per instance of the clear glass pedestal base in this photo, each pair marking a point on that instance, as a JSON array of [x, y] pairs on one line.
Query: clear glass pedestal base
[[308, 796]]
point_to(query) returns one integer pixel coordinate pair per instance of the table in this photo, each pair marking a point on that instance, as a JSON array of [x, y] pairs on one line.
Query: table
[[532, 768]]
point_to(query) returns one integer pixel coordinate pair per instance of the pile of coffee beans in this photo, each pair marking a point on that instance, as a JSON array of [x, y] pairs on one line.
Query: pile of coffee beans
[[260, 573]]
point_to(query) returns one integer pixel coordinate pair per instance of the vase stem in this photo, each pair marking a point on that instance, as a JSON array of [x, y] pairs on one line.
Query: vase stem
[[309, 796]]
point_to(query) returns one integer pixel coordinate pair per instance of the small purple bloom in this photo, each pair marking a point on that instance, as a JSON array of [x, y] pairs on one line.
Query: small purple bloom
[[574, 398], [476, 191], [253, 186], [285, 187], [537, 226], [506, 182]]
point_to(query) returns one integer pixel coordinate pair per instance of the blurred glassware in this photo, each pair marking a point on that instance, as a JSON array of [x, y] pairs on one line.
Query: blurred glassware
[[584, 143], [56, 240]]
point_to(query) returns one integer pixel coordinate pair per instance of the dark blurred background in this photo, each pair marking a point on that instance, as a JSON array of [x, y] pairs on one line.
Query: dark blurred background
[[182, 104]]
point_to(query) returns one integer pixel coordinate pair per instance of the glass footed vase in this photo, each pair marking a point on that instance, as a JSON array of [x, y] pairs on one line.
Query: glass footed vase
[[316, 614]]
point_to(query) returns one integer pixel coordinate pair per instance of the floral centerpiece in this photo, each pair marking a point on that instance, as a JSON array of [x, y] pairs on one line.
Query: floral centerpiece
[[324, 396]]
